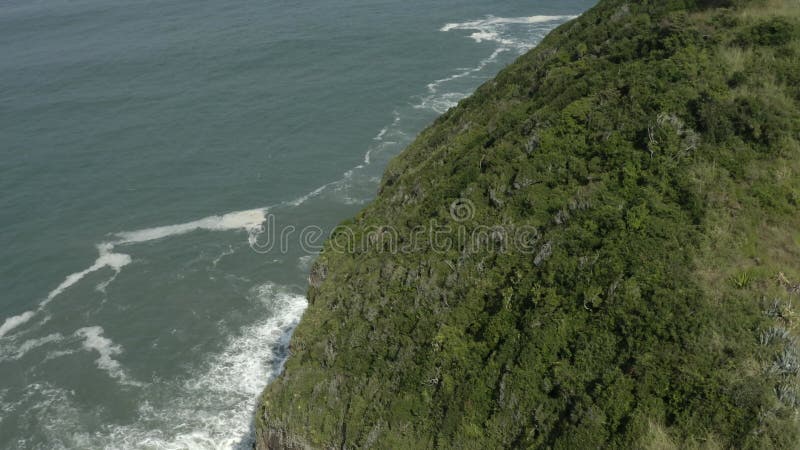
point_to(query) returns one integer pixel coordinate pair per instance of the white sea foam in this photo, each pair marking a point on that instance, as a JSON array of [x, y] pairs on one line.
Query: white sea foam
[[433, 88], [304, 262], [249, 220], [381, 134], [491, 36], [115, 261], [501, 29], [300, 200], [492, 21], [15, 321], [222, 255], [31, 344], [250, 360], [441, 103], [57, 354], [93, 340], [44, 401], [214, 409], [101, 286], [240, 220], [491, 29], [106, 258], [342, 183]]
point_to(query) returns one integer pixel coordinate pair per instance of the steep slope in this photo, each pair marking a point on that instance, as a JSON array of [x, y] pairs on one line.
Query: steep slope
[[599, 248]]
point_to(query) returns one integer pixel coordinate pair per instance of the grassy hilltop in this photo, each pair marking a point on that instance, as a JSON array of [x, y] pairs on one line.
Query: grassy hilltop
[[650, 152]]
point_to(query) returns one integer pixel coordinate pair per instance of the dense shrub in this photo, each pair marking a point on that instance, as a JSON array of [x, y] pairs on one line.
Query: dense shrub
[[654, 148]]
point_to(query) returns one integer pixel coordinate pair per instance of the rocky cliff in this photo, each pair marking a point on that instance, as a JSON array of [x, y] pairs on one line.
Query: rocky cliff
[[598, 249]]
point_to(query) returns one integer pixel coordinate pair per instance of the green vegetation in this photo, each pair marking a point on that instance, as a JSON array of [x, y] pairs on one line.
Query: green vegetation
[[655, 146]]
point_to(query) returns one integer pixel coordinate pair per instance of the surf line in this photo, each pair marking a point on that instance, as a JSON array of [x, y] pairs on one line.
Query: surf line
[[249, 220]]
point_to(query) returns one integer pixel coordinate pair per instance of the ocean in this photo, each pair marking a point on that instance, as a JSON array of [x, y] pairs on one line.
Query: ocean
[[148, 152]]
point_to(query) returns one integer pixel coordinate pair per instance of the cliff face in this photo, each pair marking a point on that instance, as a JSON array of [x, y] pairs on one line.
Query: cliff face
[[599, 248]]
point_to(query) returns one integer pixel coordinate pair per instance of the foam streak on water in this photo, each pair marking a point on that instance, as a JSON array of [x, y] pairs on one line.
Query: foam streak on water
[[503, 32], [249, 220], [213, 410], [28, 345], [494, 21], [93, 340], [239, 220], [114, 261]]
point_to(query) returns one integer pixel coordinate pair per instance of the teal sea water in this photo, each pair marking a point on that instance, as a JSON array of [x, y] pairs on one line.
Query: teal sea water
[[143, 145]]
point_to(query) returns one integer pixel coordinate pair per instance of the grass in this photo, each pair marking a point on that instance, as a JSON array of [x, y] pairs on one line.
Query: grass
[[767, 9], [737, 59], [657, 438]]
